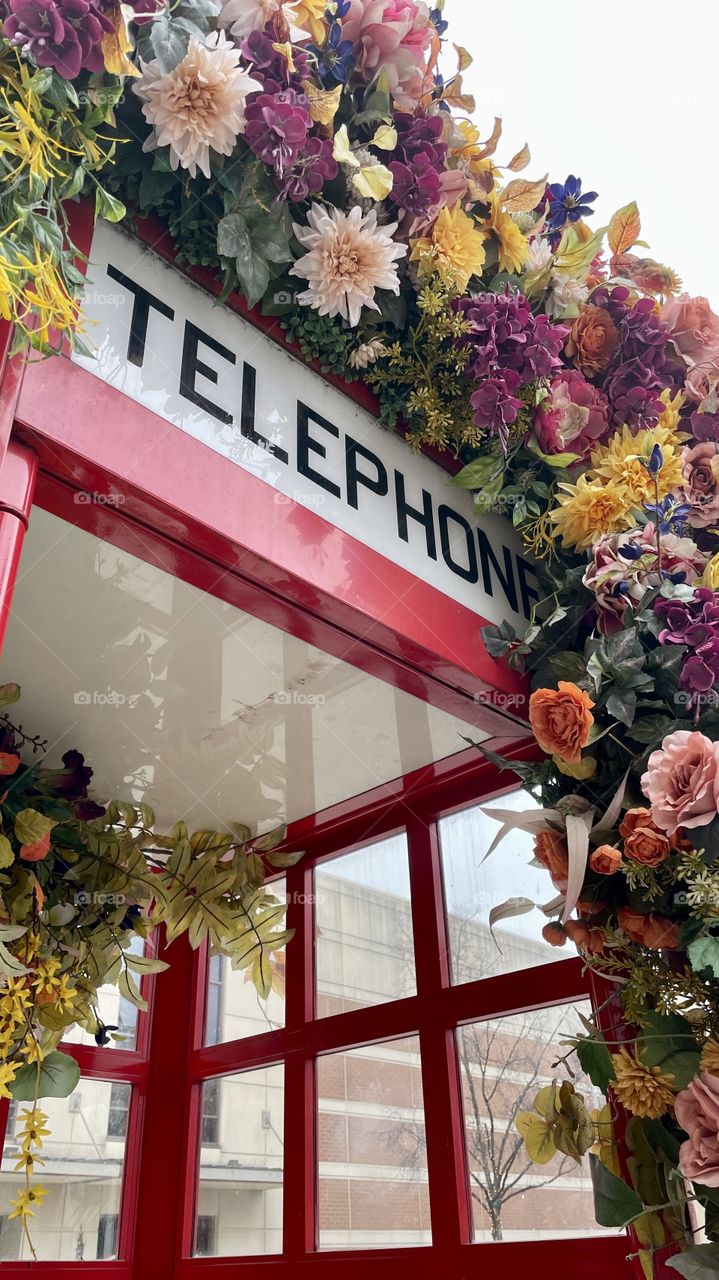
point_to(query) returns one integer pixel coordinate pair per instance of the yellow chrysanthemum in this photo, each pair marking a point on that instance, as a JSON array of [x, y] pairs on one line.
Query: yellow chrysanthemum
[[588, 509], [710, 1057], [513, 245], [468, 153], [454, 249], [670, 416], [644, 1091], [710, 576], [621, 461]]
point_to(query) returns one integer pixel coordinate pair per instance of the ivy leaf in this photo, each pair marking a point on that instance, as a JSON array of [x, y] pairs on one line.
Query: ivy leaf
[[651, 728], [704, 955], [615, 1204], [58, 1077], [701, 1263]]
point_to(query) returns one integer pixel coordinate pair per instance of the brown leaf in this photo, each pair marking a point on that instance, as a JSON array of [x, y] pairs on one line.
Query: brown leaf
[[521, 196], [624, 228], [520, 161], [464, 59], [490, 146]]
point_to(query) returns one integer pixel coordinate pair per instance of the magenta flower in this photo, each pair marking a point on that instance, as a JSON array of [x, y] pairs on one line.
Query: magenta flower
[[573, 418], [63, 34]]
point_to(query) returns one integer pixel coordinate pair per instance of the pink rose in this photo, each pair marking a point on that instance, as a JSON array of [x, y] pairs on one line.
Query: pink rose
[[573, 418], [608, 568], [693, 327], [700, 472], [395, 35], [682, 781], [697, 1111]]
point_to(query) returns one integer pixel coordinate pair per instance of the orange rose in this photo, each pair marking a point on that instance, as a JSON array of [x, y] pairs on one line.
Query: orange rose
[[584, 937], [605, 860], [554, 934], [561, 720], [651, 931], [592, 341], [643, 840], [550, 850]]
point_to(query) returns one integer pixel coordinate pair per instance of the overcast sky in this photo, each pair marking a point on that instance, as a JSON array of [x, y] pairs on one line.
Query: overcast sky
[[625, 95]]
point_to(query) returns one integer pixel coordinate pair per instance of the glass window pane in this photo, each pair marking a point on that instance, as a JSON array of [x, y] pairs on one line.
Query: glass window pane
[[114, 1011], [239, 1203], [365, 950], [233, 1008], [504, 1062], [373, 1190], [84, 1156], [472, 887]]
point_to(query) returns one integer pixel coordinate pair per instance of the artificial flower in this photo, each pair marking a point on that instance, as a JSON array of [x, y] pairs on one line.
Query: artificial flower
[[8, 1071], [573, 417], [25, 1203], [624, 457], [309, 16], [585, 937], [693, 328], [349, 258], [606, 859], [588, 509], [199, 106], [710, 1057], [700, 483], [697, 1112], [681, 781], [245, 16], [565, 297], [66, 35], [393, 36], [592, 342], [454, 248], [512, 244], [550, 851], [644, 1091], [554, 934], [561, 719], [624, 566], [366, 353], [567, 202]]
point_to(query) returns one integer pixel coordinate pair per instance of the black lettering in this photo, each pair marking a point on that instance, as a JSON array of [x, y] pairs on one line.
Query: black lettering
[[527, 592], [376, 484], [424, 517], [306, 445], [142, 301], [192, 365], [470, 571], [247, 415], [488, 558]]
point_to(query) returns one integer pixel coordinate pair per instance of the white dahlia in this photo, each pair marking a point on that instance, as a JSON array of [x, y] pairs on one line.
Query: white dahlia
[[244, 16], [198, 106], [350, 257]]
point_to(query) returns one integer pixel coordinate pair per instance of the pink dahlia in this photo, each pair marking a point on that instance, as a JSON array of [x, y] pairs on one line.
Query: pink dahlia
[[199, 106], [394, 35], [573, 418], [349, 258]]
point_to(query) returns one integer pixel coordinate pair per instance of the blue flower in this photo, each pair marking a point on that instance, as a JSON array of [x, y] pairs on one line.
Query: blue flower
[[342, 8], [439, 23], [669, 514], [334, 61], [568, 203]]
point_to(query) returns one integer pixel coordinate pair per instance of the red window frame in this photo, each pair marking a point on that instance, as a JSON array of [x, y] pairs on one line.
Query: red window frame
[[170, 1064]]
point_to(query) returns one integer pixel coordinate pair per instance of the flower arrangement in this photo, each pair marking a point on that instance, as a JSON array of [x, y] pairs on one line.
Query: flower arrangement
[[79, 883], [316, 154]]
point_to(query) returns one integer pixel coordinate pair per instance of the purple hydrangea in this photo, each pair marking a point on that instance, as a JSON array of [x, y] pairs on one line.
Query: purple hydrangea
[[695, 624], [644, 364], [312, 168], [495, 405], [419, 159], [63, 34], [278, 131], [704, 426]]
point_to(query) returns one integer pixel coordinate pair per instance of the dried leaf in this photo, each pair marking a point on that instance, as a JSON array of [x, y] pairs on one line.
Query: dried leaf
[[520, 161], [464, 59], [323, 104], [624, 228], [521, 196]]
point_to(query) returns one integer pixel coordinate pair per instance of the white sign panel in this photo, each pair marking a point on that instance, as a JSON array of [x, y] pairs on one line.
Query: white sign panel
[[168, 345]]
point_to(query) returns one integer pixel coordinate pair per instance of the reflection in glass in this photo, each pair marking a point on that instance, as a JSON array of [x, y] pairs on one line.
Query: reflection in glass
[[504, 1062], [84, 1157], [114, 1011], [373, 1190], [239, 1203], [473, 886], [365, 947], [233, 1009]]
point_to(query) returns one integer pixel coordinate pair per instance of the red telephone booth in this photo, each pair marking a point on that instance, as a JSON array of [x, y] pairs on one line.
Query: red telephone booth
[[235, 592]]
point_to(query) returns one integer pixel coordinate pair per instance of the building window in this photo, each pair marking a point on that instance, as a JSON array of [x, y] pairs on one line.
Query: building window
[[213, 1014], [210, 1113], [10, 1238], [205, 1237], [118, 1111], [107, 1236]]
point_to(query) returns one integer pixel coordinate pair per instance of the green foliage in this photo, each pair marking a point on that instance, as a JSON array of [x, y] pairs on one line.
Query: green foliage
[[615, 1203], [324, 339]]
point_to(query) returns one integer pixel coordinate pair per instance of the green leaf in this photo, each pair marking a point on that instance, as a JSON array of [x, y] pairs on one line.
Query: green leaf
[[559, 460], [615, 1204], [58, 1077], [480, 472], [622, 704], [651, 728], [9, 693], [31, 826], [107, 206], [701, 1263], [232, 235], [253, 274], [668, 1043], [704, 954], [596, 1062]]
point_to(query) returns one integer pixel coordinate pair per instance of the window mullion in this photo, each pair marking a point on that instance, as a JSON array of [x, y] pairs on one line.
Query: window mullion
[[299, 1213]]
